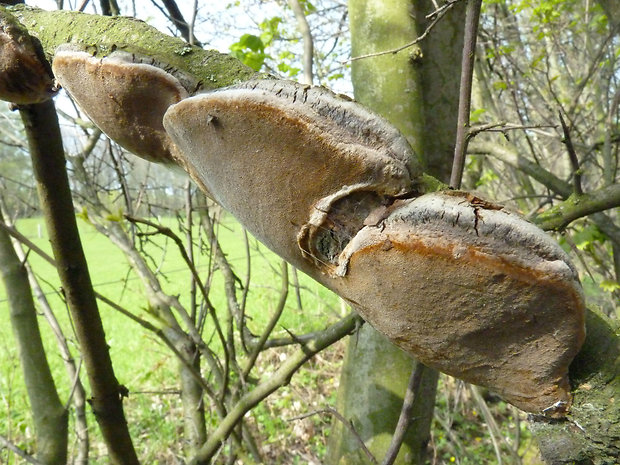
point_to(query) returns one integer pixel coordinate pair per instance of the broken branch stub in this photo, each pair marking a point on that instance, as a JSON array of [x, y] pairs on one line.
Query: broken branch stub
[[25, 74], [462, 284], [124, 97]]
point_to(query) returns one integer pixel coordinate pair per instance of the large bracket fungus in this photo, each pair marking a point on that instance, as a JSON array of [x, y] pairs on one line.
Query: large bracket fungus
[[464, 285], [125, 97]]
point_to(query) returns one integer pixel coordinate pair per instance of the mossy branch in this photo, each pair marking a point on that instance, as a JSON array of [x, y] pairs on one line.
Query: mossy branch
[[101, 35], [578, 206]]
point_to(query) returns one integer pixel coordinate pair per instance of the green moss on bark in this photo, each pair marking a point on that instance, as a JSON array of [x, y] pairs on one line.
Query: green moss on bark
[[102, 35]]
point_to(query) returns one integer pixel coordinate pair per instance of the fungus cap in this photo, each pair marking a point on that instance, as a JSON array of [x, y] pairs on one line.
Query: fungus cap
[[474, 291], [278, 154], [125, 98]]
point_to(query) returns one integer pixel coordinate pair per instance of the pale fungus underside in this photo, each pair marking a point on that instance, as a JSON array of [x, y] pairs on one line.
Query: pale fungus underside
[[462, 284]]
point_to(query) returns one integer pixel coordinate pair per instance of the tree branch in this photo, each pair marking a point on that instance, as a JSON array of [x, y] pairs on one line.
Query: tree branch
[[436, 15], [572, 155], [280, 378], [304, 27], [472, 19], [578, 206], [47, 153], [413, 388]]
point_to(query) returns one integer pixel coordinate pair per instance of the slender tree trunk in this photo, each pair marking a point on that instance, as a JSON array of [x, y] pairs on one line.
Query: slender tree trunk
[[49, 415], [46, 151], [417, 91]]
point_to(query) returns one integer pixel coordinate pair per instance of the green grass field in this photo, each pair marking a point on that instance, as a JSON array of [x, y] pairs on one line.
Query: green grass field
[[141, 361], [149, 369]]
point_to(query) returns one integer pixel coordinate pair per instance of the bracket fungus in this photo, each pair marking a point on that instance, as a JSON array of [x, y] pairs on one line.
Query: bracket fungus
[[25, 74], [124, 96], [464, 285]]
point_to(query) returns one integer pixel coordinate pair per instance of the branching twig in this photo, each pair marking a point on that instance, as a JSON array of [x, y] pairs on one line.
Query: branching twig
[[272, 323], [280, 378], [503, 127], [405, 414], [436, 15], [17, 451], [572, 155], [347, 423]]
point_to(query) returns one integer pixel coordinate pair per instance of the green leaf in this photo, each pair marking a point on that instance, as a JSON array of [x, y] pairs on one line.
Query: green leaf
[[609, 286], [250, 49], [475, 115]]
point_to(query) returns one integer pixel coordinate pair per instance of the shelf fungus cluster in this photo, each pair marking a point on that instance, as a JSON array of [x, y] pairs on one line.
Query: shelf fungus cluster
[[462, 284]]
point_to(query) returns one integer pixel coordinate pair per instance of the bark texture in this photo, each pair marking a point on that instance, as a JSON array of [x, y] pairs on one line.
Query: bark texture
[[49, 415], [46, 151]]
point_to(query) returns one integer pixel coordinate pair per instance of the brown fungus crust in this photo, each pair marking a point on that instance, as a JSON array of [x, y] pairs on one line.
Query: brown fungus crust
[[126, 100], [25, 75]]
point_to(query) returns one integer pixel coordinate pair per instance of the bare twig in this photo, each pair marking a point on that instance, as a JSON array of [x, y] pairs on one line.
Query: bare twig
[[347, 423], [572, 155], [272, 323], [304, 28], [176, 17], [467, 71], [436, 15], [503, 127], [17, 451], [405, 414], [280, 378]]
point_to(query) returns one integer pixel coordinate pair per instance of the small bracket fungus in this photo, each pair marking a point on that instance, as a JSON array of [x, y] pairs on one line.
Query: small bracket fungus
[[25, 74], [124, 97], [462, 284]]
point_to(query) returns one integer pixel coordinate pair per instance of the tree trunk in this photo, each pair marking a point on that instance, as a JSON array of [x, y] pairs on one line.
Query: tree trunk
[[47, 153], [49, 416], [415, 90]]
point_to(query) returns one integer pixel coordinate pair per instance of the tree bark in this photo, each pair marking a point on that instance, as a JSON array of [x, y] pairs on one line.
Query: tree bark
[[46, 151], [49, 416], [416, 91]]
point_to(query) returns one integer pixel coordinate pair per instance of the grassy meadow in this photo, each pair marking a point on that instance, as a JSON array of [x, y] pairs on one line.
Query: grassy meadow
[[141, 361], [149, 370]]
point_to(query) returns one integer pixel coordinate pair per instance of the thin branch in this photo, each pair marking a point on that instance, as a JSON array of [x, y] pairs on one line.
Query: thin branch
[[572, 155], [176, 17], [472, 18], [437, 14], [347, 423], [272, 323], [17, 451], [48, 160], [304, 28], [405, 414], [578, 206], [503, 127], [280, 378]]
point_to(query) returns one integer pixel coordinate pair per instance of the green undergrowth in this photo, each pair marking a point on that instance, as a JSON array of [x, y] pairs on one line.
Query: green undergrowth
[[285, 431]]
